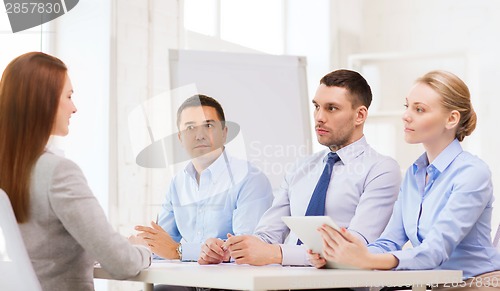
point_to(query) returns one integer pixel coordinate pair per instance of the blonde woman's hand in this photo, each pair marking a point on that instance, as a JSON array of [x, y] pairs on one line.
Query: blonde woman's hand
[[343, 247]]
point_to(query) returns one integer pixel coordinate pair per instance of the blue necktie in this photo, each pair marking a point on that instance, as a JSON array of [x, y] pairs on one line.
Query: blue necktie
[[316, 205]]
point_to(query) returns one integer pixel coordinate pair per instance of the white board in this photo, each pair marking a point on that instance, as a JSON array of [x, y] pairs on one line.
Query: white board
[[265, 95]]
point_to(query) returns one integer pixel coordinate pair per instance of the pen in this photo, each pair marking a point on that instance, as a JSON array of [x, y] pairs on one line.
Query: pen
[[157, 218]]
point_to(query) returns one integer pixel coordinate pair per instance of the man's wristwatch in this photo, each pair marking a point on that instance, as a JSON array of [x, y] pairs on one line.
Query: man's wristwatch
[[179, 251]]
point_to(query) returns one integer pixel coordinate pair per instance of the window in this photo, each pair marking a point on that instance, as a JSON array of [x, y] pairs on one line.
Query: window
[[201, 16], [257, 24], [15, 44]]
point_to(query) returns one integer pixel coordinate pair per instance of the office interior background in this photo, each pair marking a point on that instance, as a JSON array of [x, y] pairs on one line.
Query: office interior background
[[117, 54]]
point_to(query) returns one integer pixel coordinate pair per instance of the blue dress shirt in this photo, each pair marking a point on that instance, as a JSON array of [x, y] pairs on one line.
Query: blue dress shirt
[[360, 196], [447, 220], [231, 197]]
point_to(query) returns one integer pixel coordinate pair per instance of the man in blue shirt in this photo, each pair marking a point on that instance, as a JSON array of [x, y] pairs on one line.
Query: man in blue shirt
[[360, 194], [214, 195]]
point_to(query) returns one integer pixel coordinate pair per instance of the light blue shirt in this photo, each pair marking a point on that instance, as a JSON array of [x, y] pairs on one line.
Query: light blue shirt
[[360, 196], [231, 197], [447, 220]]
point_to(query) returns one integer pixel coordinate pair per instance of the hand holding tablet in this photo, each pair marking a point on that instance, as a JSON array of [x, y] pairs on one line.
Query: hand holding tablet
[[306, 228]]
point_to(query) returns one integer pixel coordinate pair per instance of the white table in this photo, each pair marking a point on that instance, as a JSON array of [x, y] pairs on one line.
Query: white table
[[273, 277]]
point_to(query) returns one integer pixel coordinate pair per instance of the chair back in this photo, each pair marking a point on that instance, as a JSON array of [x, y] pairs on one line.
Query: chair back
[[16, 271]]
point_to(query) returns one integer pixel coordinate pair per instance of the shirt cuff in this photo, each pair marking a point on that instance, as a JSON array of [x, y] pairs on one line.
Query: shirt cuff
[[190, 252], [294, 255], [405, 259]]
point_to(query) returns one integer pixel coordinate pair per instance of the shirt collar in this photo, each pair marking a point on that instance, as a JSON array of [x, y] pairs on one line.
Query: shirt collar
[[443, 160], [214, 170], [350, 152], [52, 147]]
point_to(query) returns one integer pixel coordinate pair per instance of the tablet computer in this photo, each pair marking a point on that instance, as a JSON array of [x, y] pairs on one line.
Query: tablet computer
[[306, 228]]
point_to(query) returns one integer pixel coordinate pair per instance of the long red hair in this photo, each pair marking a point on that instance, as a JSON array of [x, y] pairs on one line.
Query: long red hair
[[30, 90]]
